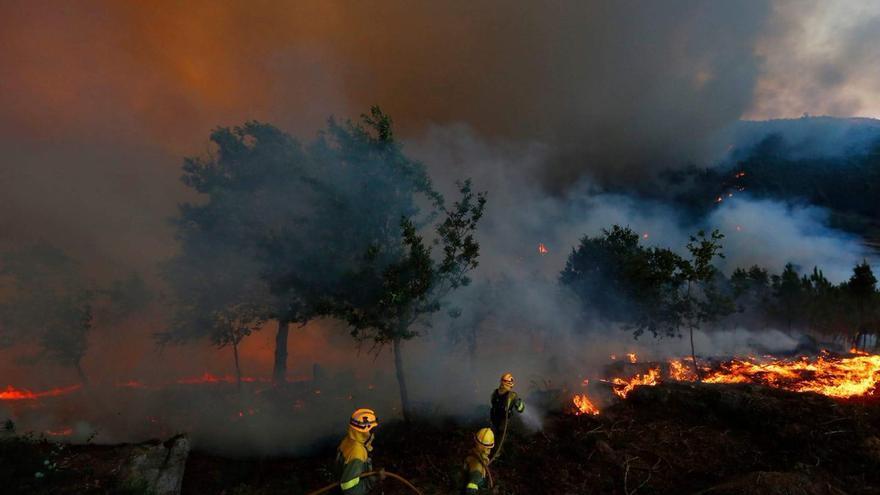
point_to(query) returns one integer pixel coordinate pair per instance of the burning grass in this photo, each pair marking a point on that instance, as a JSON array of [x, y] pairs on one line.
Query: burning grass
[[842, 377]]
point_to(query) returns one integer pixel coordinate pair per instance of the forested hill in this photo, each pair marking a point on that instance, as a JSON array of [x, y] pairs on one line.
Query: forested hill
[[823, 161]]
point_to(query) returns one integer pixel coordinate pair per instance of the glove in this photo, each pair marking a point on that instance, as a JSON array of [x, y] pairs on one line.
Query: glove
[[382, 474]]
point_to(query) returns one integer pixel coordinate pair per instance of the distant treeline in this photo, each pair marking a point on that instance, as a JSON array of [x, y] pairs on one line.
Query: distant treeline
[[653, 289], [848, 184]]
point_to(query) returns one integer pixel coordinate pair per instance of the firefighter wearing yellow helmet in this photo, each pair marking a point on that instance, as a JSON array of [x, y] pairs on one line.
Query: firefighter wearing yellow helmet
[[504, 402], [476, 464], [353, 454]]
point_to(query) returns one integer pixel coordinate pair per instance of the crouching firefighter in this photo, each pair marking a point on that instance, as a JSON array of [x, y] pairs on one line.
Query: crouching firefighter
[[353, 454], [504, 402], [476, 465]]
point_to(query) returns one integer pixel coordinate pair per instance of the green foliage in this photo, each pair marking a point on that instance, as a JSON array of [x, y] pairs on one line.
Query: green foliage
[[655, 290], [389, 294], [861, 290], [647, 289], [622, 280], [288, 223], [789, 296], [702, 301]]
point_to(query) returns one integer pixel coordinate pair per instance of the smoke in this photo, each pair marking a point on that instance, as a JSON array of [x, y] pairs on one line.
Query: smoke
[[817, 59], [543, 105]]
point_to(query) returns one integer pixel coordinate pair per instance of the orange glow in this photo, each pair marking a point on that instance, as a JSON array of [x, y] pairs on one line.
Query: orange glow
[[63, 432], [209, 378], [632, 357], [543, 249], [12, 393]]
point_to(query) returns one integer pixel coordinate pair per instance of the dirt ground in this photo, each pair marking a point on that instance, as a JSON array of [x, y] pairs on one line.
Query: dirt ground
[[675, 438]]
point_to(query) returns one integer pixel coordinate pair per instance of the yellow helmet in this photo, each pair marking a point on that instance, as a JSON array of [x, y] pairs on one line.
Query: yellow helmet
[[507, 380], [485, 438], [363, 420]]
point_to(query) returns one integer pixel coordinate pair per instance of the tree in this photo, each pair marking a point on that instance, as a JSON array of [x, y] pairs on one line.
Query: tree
[[616, 278], [400, 286], [291, 224], [46, 301], [751, 293], [701, 302], [254, 184], [788, 294], [824, 310], [861, 290]]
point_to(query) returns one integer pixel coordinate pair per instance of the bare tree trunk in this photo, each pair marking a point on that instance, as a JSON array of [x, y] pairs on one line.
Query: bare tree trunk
[[237, 365], [694, 356], [279, 373], [401, 380]]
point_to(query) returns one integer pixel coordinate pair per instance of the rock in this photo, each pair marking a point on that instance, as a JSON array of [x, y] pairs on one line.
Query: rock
[[158, 468]]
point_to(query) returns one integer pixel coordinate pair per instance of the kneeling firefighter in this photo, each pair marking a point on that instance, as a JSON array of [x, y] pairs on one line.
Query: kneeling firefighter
[[353, 454], [476, 464], [504, 401]]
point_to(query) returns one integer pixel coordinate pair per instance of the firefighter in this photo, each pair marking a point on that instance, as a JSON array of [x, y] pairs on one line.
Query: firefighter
[[353, 454], [504, 401], [476, 464]]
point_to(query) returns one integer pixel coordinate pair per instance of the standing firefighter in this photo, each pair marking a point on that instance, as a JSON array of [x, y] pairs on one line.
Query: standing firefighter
[[504, 401], [476, 465], [352, 456]]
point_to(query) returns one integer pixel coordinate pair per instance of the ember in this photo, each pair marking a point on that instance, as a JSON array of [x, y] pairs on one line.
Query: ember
[[64, 432], [209, 378]]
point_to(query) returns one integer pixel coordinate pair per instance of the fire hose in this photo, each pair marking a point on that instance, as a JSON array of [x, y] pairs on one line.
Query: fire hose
[[503, 433], [366, 475]]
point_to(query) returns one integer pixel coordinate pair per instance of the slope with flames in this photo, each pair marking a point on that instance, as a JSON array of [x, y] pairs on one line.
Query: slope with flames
[[842, 377]]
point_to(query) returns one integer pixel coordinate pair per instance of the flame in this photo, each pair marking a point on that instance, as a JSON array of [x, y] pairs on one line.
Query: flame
[[832, 376], [622, 387], [740, 175], [583, 405], [680, 371], [543, 249], [12, 393], [632, 357], [856, 375]]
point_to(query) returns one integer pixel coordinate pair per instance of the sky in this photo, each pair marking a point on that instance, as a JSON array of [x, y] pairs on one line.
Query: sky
[[100, 101]]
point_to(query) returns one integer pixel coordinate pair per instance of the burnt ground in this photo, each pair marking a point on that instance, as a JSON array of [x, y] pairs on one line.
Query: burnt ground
[[675, 438]]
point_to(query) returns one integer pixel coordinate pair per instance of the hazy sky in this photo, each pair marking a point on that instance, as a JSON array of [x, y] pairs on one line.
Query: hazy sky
[[99, 101]]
